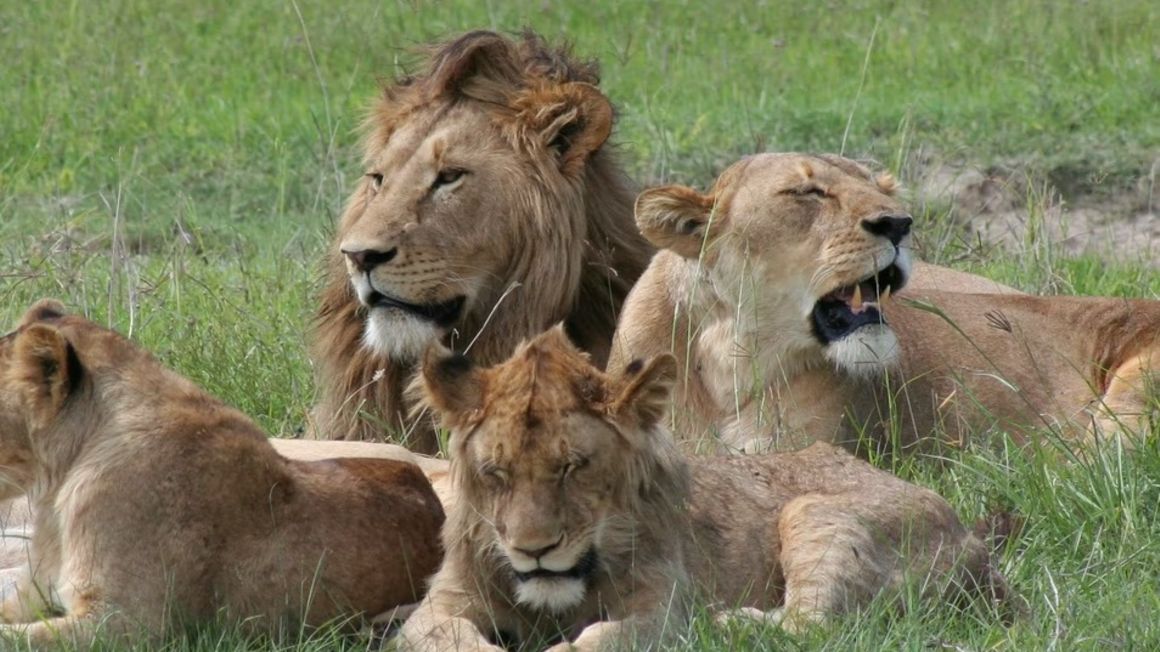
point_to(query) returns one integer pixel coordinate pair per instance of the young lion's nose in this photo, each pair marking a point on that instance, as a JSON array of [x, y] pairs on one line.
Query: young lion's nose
[[365, 260], [536, 553], [891, 227]]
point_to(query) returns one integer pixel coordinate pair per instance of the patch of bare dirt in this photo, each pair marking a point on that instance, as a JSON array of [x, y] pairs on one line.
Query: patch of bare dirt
[[1008, 208]]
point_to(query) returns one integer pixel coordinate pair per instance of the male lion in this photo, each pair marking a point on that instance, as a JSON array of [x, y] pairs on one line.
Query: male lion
[[578, 520], [155, 505], [773, 292], [490, 209]]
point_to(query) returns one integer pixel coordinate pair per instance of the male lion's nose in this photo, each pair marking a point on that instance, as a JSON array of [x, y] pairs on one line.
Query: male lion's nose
[[892, 227], [368, 259]]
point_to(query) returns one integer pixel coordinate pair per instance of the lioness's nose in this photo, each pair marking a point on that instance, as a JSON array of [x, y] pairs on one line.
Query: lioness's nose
[[892, 227], [368, 259]]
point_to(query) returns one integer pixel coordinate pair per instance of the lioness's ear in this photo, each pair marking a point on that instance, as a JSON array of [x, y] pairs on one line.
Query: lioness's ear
[[570, 120], [44, 369], [41, 310], [451, 383], [645, 390], [676, 218]]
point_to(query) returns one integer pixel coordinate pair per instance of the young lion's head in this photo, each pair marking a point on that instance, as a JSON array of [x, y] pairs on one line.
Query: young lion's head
[[564, 471], [805, 247]]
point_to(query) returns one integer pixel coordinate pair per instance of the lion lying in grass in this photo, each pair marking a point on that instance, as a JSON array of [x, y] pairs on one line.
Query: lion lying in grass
[[773, 291], [578, 520], [157, 506]]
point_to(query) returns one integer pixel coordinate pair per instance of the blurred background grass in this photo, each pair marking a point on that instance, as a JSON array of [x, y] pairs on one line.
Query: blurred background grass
[[173, 169]]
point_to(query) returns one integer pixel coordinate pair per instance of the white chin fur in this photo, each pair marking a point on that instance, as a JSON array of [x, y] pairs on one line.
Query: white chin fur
[[865, 353], [903, 261], [552, 594], [397, 335]]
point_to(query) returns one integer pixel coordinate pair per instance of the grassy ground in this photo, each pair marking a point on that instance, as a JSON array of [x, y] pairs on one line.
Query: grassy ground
[[173, 170]]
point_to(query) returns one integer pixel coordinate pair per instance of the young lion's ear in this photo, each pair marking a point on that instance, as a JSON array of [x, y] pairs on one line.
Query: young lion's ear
[[645, 390], [571, 121], [451, 383], [44, 370], [676, 218], [42, 310]]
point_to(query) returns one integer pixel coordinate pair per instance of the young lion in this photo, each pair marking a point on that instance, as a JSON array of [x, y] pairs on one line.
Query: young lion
[[155, 505], [772, 291], [578, 520]]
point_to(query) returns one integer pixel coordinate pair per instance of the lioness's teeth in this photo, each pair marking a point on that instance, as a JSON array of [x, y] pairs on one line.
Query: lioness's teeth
[[882, 298], [856, 302]]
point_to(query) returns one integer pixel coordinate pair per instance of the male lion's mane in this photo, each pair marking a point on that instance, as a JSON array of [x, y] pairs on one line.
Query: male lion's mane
[[362, 390]]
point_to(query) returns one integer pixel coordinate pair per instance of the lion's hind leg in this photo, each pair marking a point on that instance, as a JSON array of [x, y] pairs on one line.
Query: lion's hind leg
[[80, 630], [839, 552], [833, 560]]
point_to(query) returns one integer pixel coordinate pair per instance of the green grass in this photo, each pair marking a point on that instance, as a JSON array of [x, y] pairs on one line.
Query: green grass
[[173, 170]]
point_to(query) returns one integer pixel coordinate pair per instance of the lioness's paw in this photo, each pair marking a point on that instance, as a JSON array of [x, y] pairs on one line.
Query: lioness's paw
[[743, 615]]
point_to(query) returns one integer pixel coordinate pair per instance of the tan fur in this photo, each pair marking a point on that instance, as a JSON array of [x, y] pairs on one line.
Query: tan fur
[[157, 506], [738, 316], [551, 455], [436, 470], [536, 231]]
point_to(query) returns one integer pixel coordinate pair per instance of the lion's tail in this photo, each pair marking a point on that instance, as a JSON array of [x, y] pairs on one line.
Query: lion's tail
[[998, 527], [995, 530]]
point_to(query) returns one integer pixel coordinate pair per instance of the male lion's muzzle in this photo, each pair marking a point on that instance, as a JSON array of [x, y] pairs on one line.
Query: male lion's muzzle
[[443, 314]]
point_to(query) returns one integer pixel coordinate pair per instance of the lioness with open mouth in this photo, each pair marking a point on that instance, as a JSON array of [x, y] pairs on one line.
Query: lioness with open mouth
[[156, 506], [774, 292], [579, 522]]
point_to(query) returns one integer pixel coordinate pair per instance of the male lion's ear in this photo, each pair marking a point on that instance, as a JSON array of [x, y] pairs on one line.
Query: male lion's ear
[[676, 218], [44, 370], [451, 383], [42, 310], [571, 121], [645, 390], [475, 56]]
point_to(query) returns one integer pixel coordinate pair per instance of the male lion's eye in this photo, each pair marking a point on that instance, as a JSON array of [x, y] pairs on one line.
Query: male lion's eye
[[447, 177], [495, 475], [574, 465], [376, 180]]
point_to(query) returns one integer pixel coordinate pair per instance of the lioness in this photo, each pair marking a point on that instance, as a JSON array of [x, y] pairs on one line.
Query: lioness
[[773, 291], [156, 505], [490, 209], [578, 520]]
